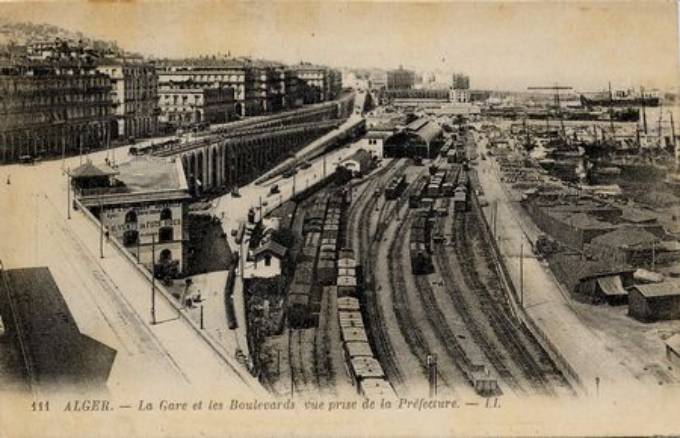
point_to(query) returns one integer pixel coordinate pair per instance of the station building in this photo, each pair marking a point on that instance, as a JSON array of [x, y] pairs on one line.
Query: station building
[[421, 138], [142, 204]]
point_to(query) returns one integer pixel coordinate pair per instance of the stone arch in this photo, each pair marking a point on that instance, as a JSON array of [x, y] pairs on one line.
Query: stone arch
[[214, 168], [200, 165]]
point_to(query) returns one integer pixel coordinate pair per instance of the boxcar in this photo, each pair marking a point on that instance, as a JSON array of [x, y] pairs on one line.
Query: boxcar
[[347, 303], [298, 310]]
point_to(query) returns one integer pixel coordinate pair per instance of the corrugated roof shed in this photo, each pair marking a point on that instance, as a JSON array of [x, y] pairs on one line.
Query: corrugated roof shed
[[663, 289], [625, 237]]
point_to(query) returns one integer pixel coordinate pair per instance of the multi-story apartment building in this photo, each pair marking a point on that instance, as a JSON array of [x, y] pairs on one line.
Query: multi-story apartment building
[[182, 104], [52, 107], [377, 80], [135, 95], [461, 81], [400, 79], [216, 74], [322, 83]]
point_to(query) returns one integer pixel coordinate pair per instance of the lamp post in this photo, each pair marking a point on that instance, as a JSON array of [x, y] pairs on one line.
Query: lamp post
[[68, 192], [153, 279], [101, 230], [521, 275]]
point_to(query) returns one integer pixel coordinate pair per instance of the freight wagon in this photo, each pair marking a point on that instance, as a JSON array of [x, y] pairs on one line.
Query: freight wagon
[[298, 309], [418, 190], [460, 202], [395, 188]]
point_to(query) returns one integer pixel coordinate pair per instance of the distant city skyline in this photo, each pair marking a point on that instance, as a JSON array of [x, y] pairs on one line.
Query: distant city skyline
[[499, 45]]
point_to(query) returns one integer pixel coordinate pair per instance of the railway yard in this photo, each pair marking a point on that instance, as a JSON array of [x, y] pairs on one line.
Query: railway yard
[[394, 292]]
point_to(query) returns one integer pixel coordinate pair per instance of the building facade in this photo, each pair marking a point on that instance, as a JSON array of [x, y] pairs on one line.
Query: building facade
[[400, 79], [181, 105], [143, 207], [52, 108], [217, 74], [461, 81], [134, 92], [321, 83]]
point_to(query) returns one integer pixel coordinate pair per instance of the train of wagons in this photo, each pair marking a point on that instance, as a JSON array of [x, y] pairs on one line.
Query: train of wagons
[[332, 268], [431, 197]]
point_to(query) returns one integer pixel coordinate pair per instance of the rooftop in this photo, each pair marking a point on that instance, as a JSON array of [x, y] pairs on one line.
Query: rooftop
[[674, 342], [90, 170], [636, 215], [146, 173], [271, 247], [663, 289], [56, 348], [626, 236]]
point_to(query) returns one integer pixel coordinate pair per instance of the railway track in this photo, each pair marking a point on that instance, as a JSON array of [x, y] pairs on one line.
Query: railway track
[[366, 249], [322, 350], [496, 311], [407, 324], [304, 380], [481, 339]]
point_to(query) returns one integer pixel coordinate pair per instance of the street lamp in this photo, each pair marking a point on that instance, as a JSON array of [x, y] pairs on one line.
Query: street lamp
[[68, 192], [101, 230], [153, 279]]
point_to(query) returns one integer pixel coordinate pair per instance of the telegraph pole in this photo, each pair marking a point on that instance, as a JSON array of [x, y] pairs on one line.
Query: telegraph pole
[[202, 326], [432, 374], [153, 279], [101, 230], [521, 275], [68, 192]]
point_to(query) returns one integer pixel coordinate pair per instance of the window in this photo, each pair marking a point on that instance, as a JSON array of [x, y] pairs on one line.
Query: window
[[166, 256], [130, 237], [166, 214], [165, 234], [131, 217], [267, 260]]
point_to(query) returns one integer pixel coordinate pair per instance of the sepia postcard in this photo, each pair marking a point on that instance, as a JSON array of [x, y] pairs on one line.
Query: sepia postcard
[[339, 218]]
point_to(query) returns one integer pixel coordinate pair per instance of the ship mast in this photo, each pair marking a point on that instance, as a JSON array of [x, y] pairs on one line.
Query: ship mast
[[660, 116], [644, 113], [675, 143], [611, 109]]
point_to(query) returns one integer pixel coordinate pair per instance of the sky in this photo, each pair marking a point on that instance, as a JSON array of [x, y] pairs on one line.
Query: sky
[[500, 45]]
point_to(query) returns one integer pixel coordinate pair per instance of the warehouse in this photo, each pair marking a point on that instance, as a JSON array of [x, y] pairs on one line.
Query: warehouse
[[421, 138], [593, 281], [654, 302], [627, 244]]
